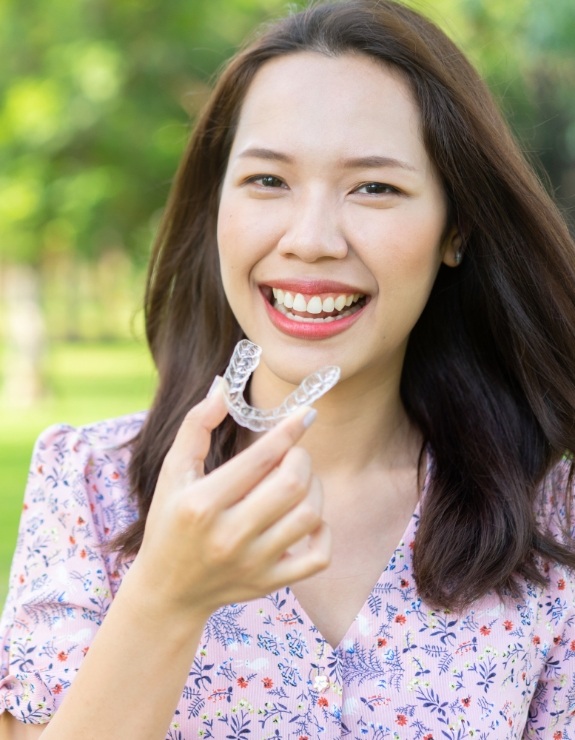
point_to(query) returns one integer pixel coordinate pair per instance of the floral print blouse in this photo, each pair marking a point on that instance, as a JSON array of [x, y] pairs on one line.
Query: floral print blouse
[[499, 671]]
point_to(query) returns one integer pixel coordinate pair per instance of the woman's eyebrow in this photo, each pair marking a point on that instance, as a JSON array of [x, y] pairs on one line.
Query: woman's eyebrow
[[373, 160], [263, 153]]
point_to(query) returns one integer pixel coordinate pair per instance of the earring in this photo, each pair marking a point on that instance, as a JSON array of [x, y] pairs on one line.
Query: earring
[[458, 256]]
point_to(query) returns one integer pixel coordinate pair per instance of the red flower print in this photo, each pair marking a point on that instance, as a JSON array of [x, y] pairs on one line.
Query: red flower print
[[81, 521], [242, 683], [268, 683], [536, 640], [485, 630], [83, 553], [115, 475], [303, 737], [403, 583], [572, 646], [72, 540], [429, 736], [21, 578], [561, 587], [322, 701], [400, 619], [401, 720], [556, 640], [62, 656], [508, 624], [557, 735], [40, 469], [466, 701], [381, 642], [57, 689]]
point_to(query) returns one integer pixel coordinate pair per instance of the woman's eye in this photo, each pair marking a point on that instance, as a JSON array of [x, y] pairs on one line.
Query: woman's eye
[[267, 181], [376, 188]]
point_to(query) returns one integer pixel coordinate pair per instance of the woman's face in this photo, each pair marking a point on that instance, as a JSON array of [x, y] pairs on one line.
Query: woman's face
[[332, 217]]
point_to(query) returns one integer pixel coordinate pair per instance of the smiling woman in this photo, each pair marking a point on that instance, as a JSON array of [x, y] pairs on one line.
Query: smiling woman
[[403, 563]]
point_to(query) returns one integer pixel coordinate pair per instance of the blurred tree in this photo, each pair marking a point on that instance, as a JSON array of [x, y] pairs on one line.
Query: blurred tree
[[97, 99], [526, 51]]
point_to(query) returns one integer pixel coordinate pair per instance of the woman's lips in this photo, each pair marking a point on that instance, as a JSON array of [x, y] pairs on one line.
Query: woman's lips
[[318, 313], [311, 286]]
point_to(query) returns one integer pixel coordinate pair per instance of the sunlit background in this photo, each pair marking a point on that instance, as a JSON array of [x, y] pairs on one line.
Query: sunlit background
[[97, 100]]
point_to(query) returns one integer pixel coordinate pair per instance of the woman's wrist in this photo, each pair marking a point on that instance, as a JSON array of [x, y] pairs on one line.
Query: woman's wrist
[[141, 596]]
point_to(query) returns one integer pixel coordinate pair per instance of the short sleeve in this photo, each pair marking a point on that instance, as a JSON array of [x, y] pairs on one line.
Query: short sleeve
[[552, 709], [62, 580]]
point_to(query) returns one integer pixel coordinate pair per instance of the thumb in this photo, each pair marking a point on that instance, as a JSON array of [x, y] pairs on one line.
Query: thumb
[[192, 442]]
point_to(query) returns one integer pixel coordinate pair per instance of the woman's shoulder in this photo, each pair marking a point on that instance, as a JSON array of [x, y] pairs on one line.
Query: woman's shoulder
[[106, 436], [555, 502], [63, 577], [84, 468], [74, 451]]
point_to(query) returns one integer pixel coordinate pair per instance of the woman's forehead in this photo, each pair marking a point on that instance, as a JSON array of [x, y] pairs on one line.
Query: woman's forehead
[[349, 105]]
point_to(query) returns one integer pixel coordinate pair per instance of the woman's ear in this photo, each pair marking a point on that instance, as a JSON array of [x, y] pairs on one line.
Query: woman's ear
[[453, 248]]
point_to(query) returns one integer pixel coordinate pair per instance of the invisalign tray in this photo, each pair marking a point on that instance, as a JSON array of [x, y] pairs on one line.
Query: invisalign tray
[[244, 361]]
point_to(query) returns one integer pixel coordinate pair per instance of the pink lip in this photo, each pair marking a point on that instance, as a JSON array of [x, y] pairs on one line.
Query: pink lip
[[312, 287], [309, 330]]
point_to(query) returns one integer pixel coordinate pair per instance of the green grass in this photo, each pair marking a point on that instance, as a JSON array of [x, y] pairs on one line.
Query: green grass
[[86, 382]]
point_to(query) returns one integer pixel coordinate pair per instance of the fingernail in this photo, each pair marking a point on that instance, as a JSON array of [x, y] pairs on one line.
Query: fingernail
[[214, 386], [309, 418]]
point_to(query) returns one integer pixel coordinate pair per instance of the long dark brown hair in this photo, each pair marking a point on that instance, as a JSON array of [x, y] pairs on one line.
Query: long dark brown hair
[[488, 374]]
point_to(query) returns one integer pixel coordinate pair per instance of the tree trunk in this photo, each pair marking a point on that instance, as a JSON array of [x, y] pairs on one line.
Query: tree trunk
[[24, 382]]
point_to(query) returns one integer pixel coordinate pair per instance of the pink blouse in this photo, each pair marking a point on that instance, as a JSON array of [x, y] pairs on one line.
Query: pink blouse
[[499, 671]]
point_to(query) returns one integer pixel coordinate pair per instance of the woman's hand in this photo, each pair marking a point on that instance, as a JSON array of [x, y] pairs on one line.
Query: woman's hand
[[225, 537]]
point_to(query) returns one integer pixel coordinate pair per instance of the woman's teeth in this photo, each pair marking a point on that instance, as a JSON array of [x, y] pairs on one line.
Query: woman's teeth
[[284, 300]]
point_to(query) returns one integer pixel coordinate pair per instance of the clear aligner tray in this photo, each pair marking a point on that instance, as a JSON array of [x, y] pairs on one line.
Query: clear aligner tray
[[244, 361]]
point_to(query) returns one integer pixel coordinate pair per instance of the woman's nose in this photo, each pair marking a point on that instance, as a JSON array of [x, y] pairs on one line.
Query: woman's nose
[[313, 231]]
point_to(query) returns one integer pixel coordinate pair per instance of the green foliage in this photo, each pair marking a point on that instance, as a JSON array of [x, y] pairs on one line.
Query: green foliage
[[97, 98], [97, 101], [526, 51]]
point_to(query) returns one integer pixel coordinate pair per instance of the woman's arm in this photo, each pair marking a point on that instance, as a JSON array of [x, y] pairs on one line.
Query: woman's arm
[[209, 541], [11, 729]]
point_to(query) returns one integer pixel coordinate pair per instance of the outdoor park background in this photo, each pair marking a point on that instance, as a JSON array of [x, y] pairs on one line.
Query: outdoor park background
[[97, 99]]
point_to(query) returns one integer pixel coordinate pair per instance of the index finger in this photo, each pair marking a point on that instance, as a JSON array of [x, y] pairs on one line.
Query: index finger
[[238, 476], [192, 442]]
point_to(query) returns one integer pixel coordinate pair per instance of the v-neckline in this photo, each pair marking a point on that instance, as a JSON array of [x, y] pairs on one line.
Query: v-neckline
[[406, 538], [404, 541]]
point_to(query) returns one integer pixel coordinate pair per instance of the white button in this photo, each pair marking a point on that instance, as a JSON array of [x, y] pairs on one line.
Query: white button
[[321, 683]]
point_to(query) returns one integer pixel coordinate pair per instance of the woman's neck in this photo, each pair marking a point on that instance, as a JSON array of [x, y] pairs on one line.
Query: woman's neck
[[361, 427]]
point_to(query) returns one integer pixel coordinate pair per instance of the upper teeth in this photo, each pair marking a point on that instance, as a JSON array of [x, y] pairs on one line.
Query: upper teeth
[[315, 303]]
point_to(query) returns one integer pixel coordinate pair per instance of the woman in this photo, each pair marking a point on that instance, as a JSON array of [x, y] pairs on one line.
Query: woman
[[350, 197]]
